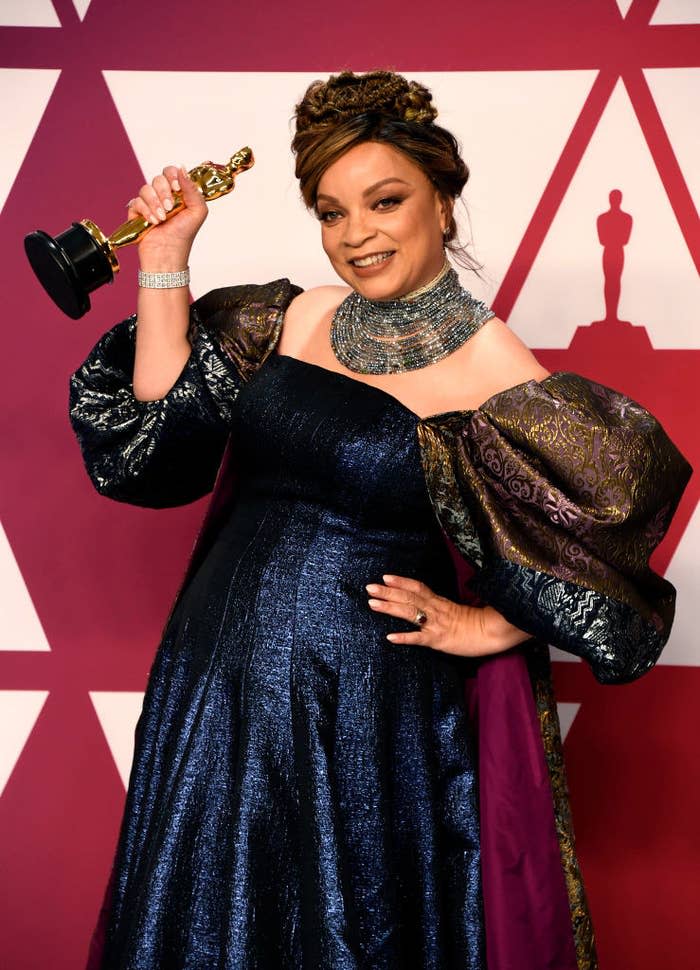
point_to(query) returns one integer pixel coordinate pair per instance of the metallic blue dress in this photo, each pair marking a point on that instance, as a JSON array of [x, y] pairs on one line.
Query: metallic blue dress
[[303, 791]]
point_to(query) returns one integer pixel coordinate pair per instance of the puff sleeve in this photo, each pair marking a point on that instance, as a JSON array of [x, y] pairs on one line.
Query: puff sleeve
[[557, 492], [166, 452]]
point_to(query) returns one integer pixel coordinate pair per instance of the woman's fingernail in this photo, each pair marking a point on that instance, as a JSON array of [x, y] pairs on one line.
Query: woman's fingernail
[[371, 587], [176, 185], [161, 213], [373, 602], [167, 205], [184, 171], [391, 636], [153, 220], [386, 577]]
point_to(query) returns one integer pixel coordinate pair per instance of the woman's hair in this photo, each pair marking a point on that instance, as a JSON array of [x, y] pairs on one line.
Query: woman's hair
[[380, 106]]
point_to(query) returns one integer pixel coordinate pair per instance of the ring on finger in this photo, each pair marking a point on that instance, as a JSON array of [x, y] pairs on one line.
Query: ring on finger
[[421, 618]]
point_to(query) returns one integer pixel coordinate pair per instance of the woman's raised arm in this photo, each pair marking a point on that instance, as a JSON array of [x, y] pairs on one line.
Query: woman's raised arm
[[162, 314], [150, 404]]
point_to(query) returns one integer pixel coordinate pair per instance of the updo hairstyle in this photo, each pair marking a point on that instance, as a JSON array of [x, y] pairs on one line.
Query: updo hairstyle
[[348, 109]]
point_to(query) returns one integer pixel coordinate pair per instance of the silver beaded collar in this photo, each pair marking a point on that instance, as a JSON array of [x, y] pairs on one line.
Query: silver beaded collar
[[373, 337]]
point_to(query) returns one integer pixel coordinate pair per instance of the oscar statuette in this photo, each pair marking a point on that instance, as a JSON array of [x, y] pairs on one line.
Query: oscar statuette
[[81, 259]]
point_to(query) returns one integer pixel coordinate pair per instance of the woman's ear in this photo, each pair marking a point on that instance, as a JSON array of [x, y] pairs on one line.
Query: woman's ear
[[446, 207]]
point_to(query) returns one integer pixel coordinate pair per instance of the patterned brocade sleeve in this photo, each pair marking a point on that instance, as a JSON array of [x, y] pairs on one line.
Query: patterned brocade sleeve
[[558, 492], [167, 452]]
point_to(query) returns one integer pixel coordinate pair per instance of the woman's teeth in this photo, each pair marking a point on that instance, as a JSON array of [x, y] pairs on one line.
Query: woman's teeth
[[370, 260]]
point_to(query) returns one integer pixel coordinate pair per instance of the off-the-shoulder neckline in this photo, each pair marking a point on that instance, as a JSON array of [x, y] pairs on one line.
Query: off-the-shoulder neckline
[[430, 418]]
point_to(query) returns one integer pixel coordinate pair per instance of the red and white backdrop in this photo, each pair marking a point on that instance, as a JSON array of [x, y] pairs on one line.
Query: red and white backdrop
[[555, 105]]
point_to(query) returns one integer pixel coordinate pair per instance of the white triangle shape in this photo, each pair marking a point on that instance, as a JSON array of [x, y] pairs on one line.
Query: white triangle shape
[[28, 13], [660, 286], [676, 93], [676, 12], [683, 646], [505, 108], [81, 7], [20, 627], [562, 655], [20, 117], [118, 711], [19, 711], [623, 6], [567, 712]]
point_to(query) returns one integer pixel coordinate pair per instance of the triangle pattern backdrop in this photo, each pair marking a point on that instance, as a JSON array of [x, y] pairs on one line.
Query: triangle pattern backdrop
[[555, 105]]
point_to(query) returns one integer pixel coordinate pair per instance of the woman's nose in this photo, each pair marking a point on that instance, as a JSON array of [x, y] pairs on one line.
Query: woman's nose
[[358, 228]]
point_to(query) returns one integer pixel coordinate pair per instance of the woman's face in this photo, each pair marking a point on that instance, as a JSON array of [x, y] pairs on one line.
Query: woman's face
[[381, 221]]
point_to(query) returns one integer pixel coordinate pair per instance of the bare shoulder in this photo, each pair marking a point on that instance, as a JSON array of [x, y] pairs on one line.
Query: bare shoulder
[[303, 324], [315, 300], [501, 357]]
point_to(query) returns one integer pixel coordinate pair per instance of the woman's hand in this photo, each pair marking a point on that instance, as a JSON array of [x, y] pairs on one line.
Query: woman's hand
[[170, 240], [468, 631]]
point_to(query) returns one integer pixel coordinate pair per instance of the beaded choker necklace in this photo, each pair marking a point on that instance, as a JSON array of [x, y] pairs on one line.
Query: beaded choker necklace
[[408, 332]]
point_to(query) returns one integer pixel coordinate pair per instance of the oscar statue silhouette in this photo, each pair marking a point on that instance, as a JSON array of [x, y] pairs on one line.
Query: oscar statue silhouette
[[599, 346], [614, 230]]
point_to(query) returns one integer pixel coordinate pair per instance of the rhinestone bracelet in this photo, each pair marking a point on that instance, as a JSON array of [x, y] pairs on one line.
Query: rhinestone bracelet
[[162, 281]]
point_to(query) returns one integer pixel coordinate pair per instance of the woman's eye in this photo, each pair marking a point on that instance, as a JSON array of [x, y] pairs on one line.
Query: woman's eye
[[328, 216], [387, 203]]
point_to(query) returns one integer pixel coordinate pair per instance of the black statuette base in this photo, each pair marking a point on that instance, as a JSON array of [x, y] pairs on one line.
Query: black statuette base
[[69, 267]]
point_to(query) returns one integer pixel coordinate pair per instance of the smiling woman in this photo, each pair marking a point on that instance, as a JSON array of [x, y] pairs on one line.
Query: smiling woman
[[383, 188], [349, 753], [384, 246], [376, 109]]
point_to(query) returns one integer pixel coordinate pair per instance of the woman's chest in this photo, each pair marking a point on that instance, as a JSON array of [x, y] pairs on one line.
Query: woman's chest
[[308, 434], [454, 383]]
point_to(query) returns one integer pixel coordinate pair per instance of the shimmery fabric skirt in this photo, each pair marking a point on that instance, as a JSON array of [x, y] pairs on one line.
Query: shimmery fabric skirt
[[303, 791]]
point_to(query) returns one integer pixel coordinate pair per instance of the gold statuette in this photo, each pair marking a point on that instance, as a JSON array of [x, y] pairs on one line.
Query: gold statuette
[[81, 259]]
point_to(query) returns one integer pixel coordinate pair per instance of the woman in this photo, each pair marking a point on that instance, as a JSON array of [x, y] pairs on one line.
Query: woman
[[304, 785]]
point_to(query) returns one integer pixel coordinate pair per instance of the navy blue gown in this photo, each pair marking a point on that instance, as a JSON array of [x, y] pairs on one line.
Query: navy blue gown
[[303, 791]]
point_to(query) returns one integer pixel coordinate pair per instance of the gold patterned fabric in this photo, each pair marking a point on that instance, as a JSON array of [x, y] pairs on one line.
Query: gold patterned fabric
[[539, 666], [245, 320], [558, 491]]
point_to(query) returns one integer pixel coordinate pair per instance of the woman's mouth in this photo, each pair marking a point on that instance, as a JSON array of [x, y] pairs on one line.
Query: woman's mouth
[[371, 260]]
